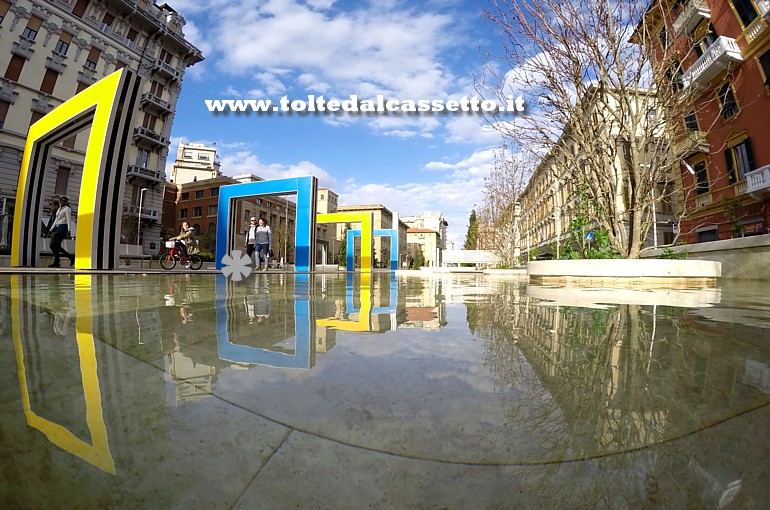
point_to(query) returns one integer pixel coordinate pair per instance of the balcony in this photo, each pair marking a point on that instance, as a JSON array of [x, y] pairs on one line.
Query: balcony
[[720, 56], [148, 137], [148, 174], [693, 143], [152, 102], [703, 200], [147, 212], [23, 48], [56, 62], [166, 70], [758, 181], [694, 11], [755, 29], [87, 76], [764, 9]]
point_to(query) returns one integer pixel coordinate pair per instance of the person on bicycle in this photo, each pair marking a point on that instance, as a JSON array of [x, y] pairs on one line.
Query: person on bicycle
[[185, 238]]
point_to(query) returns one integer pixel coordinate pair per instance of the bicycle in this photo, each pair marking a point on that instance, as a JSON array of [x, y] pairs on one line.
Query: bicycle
[[169, 260]]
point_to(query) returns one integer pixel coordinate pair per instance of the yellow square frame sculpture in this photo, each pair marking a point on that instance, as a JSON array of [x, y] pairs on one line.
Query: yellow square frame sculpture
[[364, 322], [109, 106], [366, 219]]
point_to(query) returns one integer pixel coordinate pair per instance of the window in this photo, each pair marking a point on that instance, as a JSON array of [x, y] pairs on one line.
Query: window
[[706, 41], [691, 121], [199, 193], [214, 192], [197, 211], [30, 31], [93, 58], [727, 99], [4, 106], [81, 87], [14, 67], [156, 89], [131, 37], [143, 158], [764, 64], [80, 8], [106, 24], [62, 180], [120, 64], [323, 197], [212, 210], [187, 155], [708, 234], [701, 178], [268, 205], [186, 195], [63, 44], [165, 56], [149, 121], [36, 116], [746, 11], [197, 228], [49, 81], [183, 213], [247, 215], [740, 160], [4, 6], [203, 157]]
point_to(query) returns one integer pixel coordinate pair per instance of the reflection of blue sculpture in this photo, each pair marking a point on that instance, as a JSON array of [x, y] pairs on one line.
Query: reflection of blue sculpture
[[390, 232], [349, 293], [257, 356], [304, 233]]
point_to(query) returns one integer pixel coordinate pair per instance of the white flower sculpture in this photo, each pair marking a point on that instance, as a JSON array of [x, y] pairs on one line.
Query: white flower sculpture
[[236, 266]]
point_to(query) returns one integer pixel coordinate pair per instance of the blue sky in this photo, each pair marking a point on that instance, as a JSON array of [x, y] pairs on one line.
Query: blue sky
[[405, 50]]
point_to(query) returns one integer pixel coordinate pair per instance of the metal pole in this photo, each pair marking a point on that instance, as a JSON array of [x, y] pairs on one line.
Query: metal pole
[[139, 223]]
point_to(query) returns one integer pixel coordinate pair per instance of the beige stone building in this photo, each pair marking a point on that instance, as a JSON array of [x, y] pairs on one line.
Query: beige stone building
[[51, 50], [194, 162], [550, 200], [420, 227], [383, 219]]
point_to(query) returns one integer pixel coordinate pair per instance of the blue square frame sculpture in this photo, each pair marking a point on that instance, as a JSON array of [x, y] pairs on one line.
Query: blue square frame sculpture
[[389, 232], [304, 231]]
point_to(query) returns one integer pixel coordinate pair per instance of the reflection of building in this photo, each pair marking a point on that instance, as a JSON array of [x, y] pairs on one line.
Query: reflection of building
[[52, 50], [193, 380], [427, 232], [723, 49], [425, 307]]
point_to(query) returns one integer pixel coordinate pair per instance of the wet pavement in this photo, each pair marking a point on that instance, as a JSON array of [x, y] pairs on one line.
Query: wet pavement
[[170, 390]]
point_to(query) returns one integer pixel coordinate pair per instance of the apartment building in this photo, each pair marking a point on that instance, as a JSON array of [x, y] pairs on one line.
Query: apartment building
[[719, 53], [428, 231], [51, 50], [194, 162], [327, 245], [551, 199]]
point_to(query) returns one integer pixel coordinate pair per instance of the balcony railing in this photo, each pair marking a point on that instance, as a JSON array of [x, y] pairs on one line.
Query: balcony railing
[[151, 100], [740, 188], [692, 14], [694, 142], [702, 200], [148, 135], [145, 173], [755, 29], [166, 69], [758, 181], [147, 212], [720, 56]]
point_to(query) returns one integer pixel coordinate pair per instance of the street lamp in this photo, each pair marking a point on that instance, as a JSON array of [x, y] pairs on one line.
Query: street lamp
[[139, 224]]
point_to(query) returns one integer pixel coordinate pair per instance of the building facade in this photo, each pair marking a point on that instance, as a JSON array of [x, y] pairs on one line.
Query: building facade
[[722, 49], [552, 199], [383, 219], [194, 162], [50, 51], [427, 222]]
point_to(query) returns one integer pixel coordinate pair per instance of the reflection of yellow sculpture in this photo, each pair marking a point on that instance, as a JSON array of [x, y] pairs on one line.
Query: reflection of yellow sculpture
[[97, 453], [364, 322], [365, 219]]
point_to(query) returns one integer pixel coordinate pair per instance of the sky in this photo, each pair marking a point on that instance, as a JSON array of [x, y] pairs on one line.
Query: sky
[[257, 49]]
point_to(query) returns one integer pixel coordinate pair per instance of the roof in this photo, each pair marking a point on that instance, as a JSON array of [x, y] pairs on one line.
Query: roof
[[420, 231]]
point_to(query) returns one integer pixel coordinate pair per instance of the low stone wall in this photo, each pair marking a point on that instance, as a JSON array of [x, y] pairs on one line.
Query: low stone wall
[[625, 272], [746, 258]]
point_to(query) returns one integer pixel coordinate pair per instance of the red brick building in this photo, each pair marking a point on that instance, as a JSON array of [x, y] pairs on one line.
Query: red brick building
[[723, 47]]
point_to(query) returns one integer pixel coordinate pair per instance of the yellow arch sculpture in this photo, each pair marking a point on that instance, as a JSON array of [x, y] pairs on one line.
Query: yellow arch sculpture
[[366, 220]]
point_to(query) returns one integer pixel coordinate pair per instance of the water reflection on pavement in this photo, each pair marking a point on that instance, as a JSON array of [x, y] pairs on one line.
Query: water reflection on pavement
[[162, 390]]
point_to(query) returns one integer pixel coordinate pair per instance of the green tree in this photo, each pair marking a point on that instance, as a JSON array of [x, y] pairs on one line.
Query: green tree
[[419, 258], [342, 251], [472, 237]]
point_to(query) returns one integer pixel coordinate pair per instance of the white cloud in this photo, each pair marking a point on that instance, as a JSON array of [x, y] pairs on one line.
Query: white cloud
[[471, 129], [246, 162]]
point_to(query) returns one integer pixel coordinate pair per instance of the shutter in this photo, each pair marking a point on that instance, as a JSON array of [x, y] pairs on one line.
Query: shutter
[[108, 19], [94, 54], [49, 81], [750, 155], [14, 67], [4, 105], [80, 8], [66, 37], [4, 6], [730, 165], [35, 23]]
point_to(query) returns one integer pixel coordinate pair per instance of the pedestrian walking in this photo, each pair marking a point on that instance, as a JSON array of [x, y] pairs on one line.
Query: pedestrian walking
[[259, 239], [60, 231]]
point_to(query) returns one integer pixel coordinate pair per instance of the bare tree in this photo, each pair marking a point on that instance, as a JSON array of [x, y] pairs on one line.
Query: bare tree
[[498, 216], [605, 97]]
